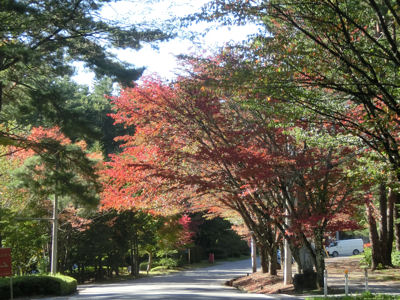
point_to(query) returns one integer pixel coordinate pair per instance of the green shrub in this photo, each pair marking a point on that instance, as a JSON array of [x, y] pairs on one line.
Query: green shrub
[[366, 261], [34, 285], [163, 263], [43, 264], [68, 284], [396, 258], [143, 266], [367, 258], [168, 262]]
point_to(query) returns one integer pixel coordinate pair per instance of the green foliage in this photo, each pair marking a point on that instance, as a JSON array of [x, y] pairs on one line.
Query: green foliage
[[366, 295], [143, 266], [168, 234], [366, 261], [27, 239], [44, 37], [80, 113], [67, 172], [35, 285], [159, 269], [43, 264], [216, 236], [109, 238], [168, 262], [95, 108], [396, 258], [11, 198]]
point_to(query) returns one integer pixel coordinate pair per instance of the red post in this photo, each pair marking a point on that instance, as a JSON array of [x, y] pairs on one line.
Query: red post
[[5, 267], [211, 258]]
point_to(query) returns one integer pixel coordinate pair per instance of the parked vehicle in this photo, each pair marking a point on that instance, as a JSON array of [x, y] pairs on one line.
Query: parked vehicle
[[345, 247]]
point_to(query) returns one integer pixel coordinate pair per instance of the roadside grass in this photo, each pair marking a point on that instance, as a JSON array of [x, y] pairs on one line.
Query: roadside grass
[[364, 296], [161, 270], [356, 270], [391, 274]]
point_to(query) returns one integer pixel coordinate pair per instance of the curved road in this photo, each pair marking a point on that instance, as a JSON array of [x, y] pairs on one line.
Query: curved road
[[198, 284]]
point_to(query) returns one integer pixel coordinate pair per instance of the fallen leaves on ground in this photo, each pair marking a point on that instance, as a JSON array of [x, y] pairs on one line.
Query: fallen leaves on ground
[[261, 283]]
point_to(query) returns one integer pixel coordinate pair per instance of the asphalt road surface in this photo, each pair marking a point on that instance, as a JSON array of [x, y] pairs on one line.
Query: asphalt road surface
[[198, 284]]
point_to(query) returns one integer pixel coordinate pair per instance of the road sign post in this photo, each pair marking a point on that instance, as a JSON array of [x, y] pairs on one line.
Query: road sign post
[[5, 266], [5, 262], [346, 282]]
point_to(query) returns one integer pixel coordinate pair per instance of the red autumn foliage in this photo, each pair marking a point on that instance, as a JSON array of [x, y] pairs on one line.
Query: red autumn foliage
[[187, 234], [194, 144]]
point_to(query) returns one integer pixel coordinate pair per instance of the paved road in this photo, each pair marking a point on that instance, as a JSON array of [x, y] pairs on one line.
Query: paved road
[[199, 284]]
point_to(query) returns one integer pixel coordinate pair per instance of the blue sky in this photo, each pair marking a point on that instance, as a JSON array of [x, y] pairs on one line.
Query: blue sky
[[162, 61]]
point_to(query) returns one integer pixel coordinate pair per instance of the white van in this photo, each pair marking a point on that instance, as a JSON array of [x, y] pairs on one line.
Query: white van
[[345, 247]]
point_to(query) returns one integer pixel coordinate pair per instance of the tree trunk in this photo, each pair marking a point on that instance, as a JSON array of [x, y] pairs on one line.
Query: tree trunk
[[136, 254], [149, 262], [253, 249], [273, 266], [64, 262], [382, 240], [132, 259], [383, 228], [320, 257], [1, 98], [374, 238], [264, 258], [109, 269], [296, 257], [100, 269], [116, 270], [306, 262], [396, 217], [390, 222]]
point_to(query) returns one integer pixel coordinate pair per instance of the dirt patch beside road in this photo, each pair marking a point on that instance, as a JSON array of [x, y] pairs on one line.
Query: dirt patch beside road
[[378, 281], [338, 265]]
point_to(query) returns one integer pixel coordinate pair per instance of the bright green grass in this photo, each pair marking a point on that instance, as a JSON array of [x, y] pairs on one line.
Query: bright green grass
[[364, 296]]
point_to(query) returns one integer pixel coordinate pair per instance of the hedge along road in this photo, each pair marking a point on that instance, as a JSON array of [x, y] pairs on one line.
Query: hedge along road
[[198, 284]]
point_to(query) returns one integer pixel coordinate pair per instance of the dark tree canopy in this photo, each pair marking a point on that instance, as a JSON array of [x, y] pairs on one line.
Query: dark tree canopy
[[50, 33], [41, 39]]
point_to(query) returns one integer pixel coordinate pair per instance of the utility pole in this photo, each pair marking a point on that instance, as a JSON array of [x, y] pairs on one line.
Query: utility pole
[[53, 266], [287, 268]]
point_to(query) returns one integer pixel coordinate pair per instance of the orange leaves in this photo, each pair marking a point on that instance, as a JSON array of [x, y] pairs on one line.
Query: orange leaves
[[144, 109], [54, 133], [42, 135]]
